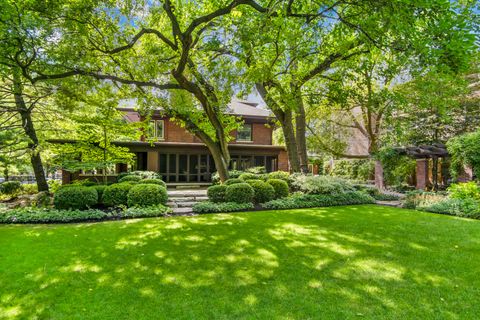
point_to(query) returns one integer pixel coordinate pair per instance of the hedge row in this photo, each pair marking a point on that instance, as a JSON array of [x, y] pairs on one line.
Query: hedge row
[[211, 207], [39, 215]]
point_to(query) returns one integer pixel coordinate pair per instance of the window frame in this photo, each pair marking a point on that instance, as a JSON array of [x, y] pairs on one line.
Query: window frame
[[155, 130], [251, 133]]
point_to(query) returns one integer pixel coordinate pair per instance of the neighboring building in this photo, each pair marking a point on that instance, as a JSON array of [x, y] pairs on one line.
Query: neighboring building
[[180, 157]]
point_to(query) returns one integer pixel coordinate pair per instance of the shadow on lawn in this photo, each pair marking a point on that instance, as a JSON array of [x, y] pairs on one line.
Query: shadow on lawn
[[343, 262]]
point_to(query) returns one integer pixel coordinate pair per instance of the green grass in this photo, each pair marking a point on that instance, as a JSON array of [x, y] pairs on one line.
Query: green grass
[[356, 262]]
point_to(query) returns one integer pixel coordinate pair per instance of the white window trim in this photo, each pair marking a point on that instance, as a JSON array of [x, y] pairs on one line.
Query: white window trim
[[156, 127], [251, 135]]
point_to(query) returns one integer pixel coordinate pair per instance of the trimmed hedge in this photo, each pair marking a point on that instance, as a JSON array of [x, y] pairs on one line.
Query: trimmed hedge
[[10, 187], [280, 187], [217, 193], [264, 192], [239, 193], [211, 207], [153, 181], [116, 194], [248, 176], [144, 195], [233, 181], [311, 201], [129, 179], [282, 175], [76, 197], [251, 181], [39, 215]]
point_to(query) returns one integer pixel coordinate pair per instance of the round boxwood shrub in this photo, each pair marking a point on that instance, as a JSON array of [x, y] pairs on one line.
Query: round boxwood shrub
[[77, 197], [217, 193], [144, 195], [248, 176], [100, 189], [239, 193], [130, 178], [116, 194], [233, 181], [250, 181], [280, 187], [282, 175], [154, 181], [264, 192], [10, 187]]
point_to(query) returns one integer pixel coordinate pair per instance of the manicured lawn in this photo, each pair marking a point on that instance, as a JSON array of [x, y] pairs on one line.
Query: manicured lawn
[[356, 262]]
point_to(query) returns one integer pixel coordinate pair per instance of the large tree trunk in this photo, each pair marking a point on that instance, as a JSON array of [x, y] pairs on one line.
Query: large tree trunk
[[27, 124], [301, 130]]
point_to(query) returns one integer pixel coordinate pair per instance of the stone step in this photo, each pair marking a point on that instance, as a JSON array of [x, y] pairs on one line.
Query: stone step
[[181, 199], [182, 210]]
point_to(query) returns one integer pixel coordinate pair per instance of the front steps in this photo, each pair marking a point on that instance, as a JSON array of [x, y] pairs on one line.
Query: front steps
[[182, 201]]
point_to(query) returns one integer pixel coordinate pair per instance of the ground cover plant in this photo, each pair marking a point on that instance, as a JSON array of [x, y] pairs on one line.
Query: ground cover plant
[[354, 262]]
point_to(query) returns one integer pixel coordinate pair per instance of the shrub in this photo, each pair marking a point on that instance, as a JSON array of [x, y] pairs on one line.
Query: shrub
[[141, 174], [30, 188], [239, 193], [86, 183], [311, 200], [211, 207], [154, 181], [280, 187], [467, 190], [257, 170], [467, 208], [100, 189], [144, 195], [116, 194], [248, 176], [129, 179], [233, 181], [217, 193], [321, 184], [264, 192], [10, 187], [77, 197], [42, 199], [283, 175], [251, 181], [231, 174], [420, 198], [53, 185]]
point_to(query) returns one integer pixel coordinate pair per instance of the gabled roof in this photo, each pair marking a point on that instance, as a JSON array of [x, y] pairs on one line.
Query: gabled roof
[[236, 107]]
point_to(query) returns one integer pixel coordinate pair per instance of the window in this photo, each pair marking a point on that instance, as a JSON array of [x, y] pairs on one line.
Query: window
[[245, 133], [156, 129]]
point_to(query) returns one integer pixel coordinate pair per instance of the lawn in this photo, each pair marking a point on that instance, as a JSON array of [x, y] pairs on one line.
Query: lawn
[[355, 262]]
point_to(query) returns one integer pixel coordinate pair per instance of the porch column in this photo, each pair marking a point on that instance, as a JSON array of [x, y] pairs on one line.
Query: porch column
[[152, 161], [422, 173], [379, 179]]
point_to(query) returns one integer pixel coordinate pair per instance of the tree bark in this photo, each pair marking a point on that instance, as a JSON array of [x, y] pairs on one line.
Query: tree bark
[[301, 130], [27, 124]]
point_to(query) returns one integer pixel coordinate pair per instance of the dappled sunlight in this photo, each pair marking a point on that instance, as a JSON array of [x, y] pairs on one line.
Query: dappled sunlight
[[81, 267], [368, 269]]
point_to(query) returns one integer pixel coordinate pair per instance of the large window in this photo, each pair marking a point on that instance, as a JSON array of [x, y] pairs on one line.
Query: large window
[[245, 133], [156, 130]]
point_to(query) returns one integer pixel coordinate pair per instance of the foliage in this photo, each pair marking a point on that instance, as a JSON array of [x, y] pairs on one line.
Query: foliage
[[216, 193], [214, 207], [420, 198], [145, 195], [467, 207], [319, 200], [280, 186], [75, 197], [116, 194], [397, 169], [356, 169], [54, 185], [232, 174], [153, 181], [467, 190], [239, 193], [29, 188], [283, 175], [48, 215], [42, 199], [233, 181], [130, 178], [100, 189], [10, 187], [142, 174], [464, 150], [321, 184], [248, 176], [256, 170], [264, 192]]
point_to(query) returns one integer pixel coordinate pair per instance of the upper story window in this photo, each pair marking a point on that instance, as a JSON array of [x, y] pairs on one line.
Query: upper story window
[[245, 132], [156, 129]]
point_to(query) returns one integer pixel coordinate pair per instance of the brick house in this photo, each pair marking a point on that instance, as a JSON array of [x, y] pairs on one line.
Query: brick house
[[180, 157]]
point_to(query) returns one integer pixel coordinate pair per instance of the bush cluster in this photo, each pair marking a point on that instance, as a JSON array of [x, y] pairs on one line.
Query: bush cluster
[[75, 197], [212, 207], [282, 175], [10, 187], [100, 189], [233, 181], [321, 184], [116, 194], [248, 176], [231, 174], [310, 200], [467, 190], [263, 192], [153, 181], [280, 187], [216, 193], [129, 178], [239, 193], [467, 208], [140, 174], [144, 195]]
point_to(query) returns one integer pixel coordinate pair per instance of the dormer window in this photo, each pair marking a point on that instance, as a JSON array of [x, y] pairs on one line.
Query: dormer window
[[156, 130], [244, 133]]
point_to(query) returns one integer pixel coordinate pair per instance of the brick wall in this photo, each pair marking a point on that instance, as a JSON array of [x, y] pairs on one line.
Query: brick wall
[[283, 161]]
